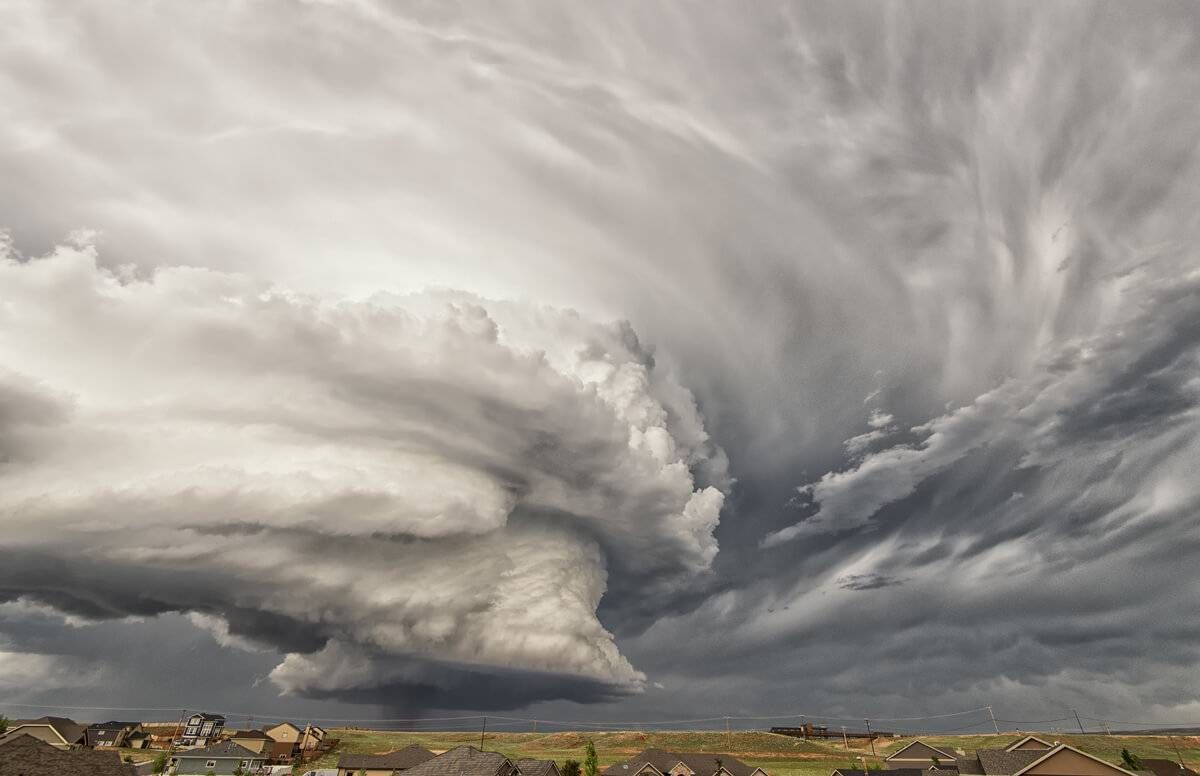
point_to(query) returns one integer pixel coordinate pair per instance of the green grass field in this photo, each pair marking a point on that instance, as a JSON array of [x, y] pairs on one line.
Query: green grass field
[[778, 755]]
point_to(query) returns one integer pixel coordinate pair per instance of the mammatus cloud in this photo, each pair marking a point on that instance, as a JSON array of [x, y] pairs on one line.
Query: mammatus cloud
[[387, 489]]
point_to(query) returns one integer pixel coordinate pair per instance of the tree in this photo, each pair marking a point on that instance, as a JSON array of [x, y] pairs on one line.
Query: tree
[[1131, 760], [3, 724], [591, 765], [570, 768], [210, 772], [238, 770], [161, 761], [936, 762]]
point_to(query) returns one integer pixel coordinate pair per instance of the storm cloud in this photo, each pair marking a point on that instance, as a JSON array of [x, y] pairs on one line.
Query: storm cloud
[[677, 363]]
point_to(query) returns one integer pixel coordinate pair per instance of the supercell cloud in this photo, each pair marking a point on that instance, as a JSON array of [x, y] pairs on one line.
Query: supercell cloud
[[350, 482], [840, 356]]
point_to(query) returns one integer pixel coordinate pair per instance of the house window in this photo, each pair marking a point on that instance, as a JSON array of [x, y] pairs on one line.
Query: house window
[[211, 764]]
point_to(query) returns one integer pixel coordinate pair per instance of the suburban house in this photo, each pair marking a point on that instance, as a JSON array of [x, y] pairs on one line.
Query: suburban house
[[1059, 760], [111, 733], [201, 729], [1029, 743], [531, 767], [138, 739], [28, 755], [223, 759], [313, 737], [659, 762], [919, 755], [465, 761], [383, 764], [59, 732], [162, 734], [254, 740], [1165, 767], [284, 733]]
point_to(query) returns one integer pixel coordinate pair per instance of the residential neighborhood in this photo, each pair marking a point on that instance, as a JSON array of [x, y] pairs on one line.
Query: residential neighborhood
[[205, 744]]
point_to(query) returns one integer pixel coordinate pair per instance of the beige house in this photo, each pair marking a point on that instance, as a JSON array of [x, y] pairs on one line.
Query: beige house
[[254, 740], [308, 737], [1030, 743], [918, 754], [59, 732], [284, 733], [1058, 760]]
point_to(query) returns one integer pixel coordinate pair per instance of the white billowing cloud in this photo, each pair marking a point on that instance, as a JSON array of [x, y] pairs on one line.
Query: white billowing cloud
[[433, 477]]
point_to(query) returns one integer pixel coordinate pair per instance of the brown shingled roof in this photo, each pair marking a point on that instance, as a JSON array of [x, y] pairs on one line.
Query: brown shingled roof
[[465, 761], [702, 763], [401, 759], [532, 767], [24, 755], [1165, 767]]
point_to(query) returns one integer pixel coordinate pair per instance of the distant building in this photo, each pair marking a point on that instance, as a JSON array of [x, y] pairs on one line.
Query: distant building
[[255, 740], [659, 762], [111, 733], [202, 729], [383, 764], [59, 732], [221, 759]]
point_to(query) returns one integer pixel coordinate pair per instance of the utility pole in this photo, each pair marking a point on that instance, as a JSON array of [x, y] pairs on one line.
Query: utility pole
[[1174, 746], [993, 716], [845, 740], [1076, 713], [726, 731], [483, 734], [870, 737]]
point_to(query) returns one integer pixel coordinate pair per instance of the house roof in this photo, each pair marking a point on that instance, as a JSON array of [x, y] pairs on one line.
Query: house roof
[[1000, 762], [206, 715], [1012, 747], [532, 767], [1165, 767], [70, 730], [112, 724], [858, 771], [401, 759], [1067, 748], [252, 734], [24, 755], [462, 761], [223, 750], [277, 725], [702, 763], [924, 751]]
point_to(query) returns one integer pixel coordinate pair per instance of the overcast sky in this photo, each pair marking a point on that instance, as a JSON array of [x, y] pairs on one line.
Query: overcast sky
[[600, 361]]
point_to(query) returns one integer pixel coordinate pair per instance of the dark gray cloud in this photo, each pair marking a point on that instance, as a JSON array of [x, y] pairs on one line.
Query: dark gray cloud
[[910, 286]]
